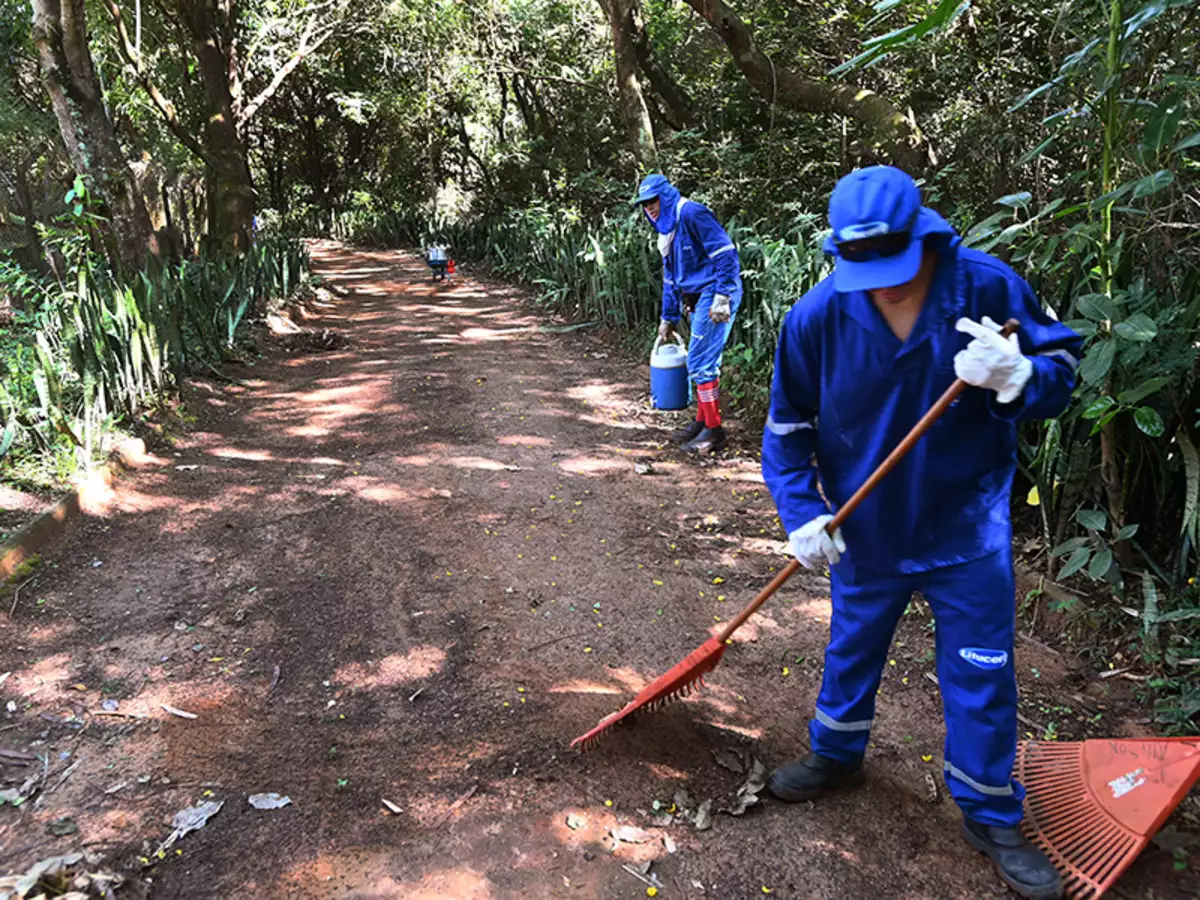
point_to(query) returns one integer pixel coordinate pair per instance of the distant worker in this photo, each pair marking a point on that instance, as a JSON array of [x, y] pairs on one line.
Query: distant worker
[[861, 358], [702, 276]]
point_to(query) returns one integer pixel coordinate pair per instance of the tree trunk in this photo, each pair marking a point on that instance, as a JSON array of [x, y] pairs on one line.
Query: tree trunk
[[469, 151], [30, 253], [680, 113], [231, 196], [629, 87], [896, 136], [502, 117], [60, 32]]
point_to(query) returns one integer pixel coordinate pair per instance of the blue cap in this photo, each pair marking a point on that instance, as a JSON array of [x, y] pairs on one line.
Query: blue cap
[[868, 203], [651, 187]]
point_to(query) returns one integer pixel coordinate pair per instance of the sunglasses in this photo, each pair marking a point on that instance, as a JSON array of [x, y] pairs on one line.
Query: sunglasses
[[873, 240]]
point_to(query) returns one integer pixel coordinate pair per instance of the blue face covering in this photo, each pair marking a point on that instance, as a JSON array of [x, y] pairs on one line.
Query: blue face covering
[[668, 202]]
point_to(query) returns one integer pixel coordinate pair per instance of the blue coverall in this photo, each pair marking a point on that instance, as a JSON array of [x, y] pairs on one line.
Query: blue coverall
[[846, 390], [699, 258]]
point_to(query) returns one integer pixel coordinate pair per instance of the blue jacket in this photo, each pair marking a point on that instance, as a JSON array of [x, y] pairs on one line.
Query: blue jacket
[[700, 252], [846, 391]]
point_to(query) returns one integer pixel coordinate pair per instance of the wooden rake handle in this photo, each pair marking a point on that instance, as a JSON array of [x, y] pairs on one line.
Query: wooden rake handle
[[918, 431]]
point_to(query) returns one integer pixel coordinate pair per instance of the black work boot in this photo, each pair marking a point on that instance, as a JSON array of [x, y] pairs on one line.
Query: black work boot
[[709, 440], [687, 432], [1022, 866], [813, 777]]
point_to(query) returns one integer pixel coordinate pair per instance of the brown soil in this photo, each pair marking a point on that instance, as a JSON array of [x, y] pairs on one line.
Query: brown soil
[[413, 568], [18, 507]]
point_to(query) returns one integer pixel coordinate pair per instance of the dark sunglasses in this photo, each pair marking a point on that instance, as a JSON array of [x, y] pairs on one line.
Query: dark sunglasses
[[874, 245]]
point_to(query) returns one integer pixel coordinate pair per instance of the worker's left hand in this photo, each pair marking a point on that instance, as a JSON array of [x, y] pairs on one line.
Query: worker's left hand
[[720, 311], [992, 361]]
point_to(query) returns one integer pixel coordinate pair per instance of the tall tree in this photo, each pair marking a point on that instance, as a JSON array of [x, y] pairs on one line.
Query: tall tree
[[227, 64], [896, 134], [679, 109], [61, 34], [629, 86]]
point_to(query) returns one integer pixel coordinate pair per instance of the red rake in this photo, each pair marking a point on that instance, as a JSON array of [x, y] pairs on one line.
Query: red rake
[[1092, 806], [688, 675]]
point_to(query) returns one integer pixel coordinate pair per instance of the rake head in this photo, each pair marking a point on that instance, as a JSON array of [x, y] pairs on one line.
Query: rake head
[[1092, 806], [686, 677]]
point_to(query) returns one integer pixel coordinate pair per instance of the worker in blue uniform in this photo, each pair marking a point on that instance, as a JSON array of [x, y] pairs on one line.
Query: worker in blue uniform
[[860, 358], [702, 275]]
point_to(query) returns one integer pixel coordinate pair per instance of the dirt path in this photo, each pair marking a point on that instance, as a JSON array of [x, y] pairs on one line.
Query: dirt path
[[413, 570]]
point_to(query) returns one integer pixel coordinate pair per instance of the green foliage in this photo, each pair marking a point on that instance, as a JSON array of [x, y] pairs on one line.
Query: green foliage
[[88, 350], [607, 271]]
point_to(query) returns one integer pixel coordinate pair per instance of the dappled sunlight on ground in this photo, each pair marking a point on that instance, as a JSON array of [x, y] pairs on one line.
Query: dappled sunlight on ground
[[413, 570], [392, 671]]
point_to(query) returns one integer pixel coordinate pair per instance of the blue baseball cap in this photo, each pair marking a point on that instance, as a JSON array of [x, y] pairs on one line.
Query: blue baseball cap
[[875, 215], [651, 187]]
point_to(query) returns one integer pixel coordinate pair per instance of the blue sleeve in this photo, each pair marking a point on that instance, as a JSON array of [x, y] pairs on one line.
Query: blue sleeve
[[790, 435], [670, 294], [718, 248], [1054, 350]]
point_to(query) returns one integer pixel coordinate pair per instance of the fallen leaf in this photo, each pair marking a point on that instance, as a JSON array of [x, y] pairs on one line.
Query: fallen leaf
[[756, 780], [727, 759], [269, 801], [193, 818], [631, 834], [62, 827], [16, 757]]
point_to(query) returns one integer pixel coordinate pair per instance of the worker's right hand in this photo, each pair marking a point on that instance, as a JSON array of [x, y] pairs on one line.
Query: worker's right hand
[[812, 545], [666, 331]]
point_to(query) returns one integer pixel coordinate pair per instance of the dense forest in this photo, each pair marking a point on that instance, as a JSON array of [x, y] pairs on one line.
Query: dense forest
[[160, 163]]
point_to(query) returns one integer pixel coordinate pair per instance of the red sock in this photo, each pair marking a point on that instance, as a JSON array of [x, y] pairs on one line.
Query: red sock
[[708, 394]]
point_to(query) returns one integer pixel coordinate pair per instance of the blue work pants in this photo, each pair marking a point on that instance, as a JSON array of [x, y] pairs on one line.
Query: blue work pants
[[708, 338], [975, 613]]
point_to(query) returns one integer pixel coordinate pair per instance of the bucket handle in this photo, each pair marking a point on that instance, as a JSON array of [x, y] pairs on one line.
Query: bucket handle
[[658, 342]]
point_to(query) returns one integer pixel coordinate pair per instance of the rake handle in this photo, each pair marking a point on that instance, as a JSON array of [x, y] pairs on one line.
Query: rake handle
[[918, 431]]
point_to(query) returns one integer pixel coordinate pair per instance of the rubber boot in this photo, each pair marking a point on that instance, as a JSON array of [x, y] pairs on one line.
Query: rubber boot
[[813, 777], [1022, 866], [709, 440], [687, 433]]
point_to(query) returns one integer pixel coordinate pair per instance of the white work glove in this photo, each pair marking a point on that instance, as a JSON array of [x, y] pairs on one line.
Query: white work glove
[[991, 361], [666, 331], [812, 545], [720, 312]]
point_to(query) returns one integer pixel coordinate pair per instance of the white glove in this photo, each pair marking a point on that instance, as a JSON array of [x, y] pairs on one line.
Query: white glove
[[812, 545], [720, 311], [991, 361]]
